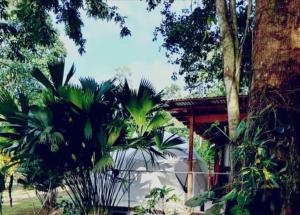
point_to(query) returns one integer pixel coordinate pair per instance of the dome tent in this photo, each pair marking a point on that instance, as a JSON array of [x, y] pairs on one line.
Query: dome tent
[[169, 171]]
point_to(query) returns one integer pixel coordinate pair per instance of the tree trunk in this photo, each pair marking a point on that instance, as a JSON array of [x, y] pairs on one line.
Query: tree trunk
[[276, 83], [231, 67], [231, 64]]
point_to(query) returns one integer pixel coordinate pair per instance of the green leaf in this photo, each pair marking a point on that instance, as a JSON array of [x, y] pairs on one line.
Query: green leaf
[[200, 200], [105, 162], [215, 209], [241, 199], [7, 103], [237, 210], [2, 183], [88, 130], [56, 71], [39, 75], [229, 196], [70, 75], [105, 87], [88, 84], [240, 130], [114, 135], [159, 120], [72, 94]]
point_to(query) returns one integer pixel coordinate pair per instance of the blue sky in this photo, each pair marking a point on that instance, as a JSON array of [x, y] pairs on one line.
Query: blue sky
[[106, 51]]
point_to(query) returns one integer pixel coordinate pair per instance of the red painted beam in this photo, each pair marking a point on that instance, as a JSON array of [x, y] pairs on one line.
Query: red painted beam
[[190, 158], [210, 118], [197, 108]]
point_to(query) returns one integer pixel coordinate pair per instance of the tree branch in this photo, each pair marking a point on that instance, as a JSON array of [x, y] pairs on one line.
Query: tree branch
[[234, 25], [249, 9], [222, 14]]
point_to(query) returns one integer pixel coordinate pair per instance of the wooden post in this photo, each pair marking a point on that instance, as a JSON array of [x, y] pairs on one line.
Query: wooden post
[[190, 158]]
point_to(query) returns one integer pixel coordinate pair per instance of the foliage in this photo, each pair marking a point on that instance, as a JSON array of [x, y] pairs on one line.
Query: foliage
[[26, 24], [260, 174], [204, 148], [172, 92], [219, 203], [79, 135], [68, 208], [2, 188], [179, 30], [200, 199], [15, 76], [141, 104], [156, 201], [192, 41], [7, 170]]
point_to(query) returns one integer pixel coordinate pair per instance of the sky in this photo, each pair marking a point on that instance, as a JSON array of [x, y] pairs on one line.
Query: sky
[[106, 51]]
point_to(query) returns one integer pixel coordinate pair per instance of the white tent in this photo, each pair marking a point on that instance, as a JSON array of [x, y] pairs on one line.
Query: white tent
[[171, 172]]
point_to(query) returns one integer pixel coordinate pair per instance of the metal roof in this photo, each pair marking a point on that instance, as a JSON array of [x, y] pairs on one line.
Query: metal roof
[[206, 111]]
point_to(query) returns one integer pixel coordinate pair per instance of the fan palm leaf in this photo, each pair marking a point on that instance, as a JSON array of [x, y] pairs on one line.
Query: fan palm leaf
[[55, 81], [56, 71], [8, 105], [70, 75], [141, 105]]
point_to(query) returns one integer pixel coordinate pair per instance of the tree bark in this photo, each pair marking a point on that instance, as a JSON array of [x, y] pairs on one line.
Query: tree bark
[[276, 82], [231, 67], [231, 61]]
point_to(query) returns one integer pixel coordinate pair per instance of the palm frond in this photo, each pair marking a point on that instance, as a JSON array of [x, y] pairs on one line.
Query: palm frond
[[88, 84], [70, 74], [146, 87], [88, 130], [105, 161], [105, 87], [142, 104], [38, 118], [114, 134], [159, 119], [40, 77], [9, 135], [56, 71], [75, 95], [172, 143], [7, 103]]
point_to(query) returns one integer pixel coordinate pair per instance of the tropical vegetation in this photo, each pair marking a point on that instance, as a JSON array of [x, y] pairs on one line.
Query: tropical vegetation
[[160, 201], [79, 135], [61, 134]]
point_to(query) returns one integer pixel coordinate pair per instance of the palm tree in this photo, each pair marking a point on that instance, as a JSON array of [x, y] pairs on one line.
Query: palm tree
[[143, 106], [80, 134], [147, 120]]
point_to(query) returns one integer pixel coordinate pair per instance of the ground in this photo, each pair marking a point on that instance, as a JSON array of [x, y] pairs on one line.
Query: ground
[[24, 202]]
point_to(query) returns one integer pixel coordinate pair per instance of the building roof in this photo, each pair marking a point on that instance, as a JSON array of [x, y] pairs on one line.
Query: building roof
[[206, 111]]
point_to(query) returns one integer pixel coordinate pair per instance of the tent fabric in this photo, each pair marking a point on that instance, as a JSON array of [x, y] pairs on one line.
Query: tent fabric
[[170, 171]]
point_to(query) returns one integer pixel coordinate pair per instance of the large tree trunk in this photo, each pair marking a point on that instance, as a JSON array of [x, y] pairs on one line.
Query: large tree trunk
[[276, 84]]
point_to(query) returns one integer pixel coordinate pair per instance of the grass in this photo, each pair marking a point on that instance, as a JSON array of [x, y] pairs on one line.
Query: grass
[[22, 207], [25, 206]]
